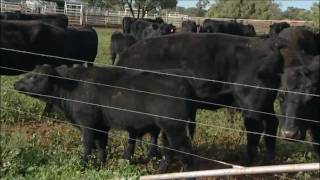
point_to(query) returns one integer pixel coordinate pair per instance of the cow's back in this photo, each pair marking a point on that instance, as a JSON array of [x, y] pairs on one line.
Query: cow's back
[[216, 56], [59, 20], [302, 38], [82, 43]]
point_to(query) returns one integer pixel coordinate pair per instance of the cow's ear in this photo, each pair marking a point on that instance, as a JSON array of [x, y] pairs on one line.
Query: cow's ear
[[64, 78], [62, 70]]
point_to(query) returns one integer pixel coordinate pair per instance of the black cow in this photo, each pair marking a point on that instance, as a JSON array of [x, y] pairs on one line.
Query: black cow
[[303, 39], [127, 21], [59, 20], [188, 26], [120, 42], [228, 27], [43, 38], [126, 24], [155, 30], [102, 108], [303, 79], [276, 28], [38, 37], [221, 57], [141, 29]]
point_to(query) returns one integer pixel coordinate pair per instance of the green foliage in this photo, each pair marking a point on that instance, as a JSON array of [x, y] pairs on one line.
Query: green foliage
[[201, 5], [296, 14], [150, 5], [192, 11], [315, 17], [26, 157], [249, 9], [104, 3]]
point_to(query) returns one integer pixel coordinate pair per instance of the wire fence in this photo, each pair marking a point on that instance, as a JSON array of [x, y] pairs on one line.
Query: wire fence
[[173, 75], [163, 95], [115, 136]]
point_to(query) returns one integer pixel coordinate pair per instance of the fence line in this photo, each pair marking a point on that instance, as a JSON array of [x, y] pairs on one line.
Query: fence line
[[160, 116], [161, 73], [137, 140], [164, 95], [80, 14]]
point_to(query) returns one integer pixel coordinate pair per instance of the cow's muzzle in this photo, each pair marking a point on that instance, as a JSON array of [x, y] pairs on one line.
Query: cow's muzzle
[[292, 134]]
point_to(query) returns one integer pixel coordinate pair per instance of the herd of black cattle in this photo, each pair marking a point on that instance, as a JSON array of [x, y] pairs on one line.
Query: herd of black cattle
[[228, 69]]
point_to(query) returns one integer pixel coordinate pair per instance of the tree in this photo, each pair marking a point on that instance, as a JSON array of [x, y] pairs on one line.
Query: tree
[[253, 9], [181, 10], [296, 13], [314, 17], [201, 4], [104, 3], [149, 5]]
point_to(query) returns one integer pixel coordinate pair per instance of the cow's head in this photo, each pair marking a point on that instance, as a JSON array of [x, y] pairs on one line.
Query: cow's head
[[276, 28], [42, 79], [299, 79], [167, 28], [249, 30], [36, 82]]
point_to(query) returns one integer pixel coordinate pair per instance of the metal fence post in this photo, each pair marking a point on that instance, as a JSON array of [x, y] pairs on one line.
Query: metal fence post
[[81, 15]]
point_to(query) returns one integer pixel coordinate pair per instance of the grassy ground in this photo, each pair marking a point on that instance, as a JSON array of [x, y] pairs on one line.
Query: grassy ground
[[41, 148]]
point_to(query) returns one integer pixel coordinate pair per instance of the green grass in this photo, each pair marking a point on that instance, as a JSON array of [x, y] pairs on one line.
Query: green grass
[[34, 148]]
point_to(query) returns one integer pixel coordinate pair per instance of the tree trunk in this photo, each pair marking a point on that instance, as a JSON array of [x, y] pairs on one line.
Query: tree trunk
[[143, 12], [139, 8], [130, 7]]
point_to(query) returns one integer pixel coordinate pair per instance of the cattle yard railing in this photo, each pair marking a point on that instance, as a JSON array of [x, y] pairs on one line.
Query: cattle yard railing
[[80, 14], [238, 170]]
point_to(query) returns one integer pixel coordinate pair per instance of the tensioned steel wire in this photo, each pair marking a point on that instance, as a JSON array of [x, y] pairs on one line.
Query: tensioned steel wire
[[160, 116], [113, 135], [158, 72], [165, 95], [137, 140]]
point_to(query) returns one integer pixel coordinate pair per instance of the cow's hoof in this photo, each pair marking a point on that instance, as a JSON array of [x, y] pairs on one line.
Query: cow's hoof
[[268, 159], [163, 167], [127, 156], [152, 153]]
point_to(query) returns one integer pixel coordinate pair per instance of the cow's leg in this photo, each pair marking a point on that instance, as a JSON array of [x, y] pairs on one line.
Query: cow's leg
[[153, 149], [88, 143], [90, 64], [167, 155], [101, 145], [192, 125], [252, 125], [47, 110], [315, 134], [129, 151], [180, 141], [113, 57], [271, 129]]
